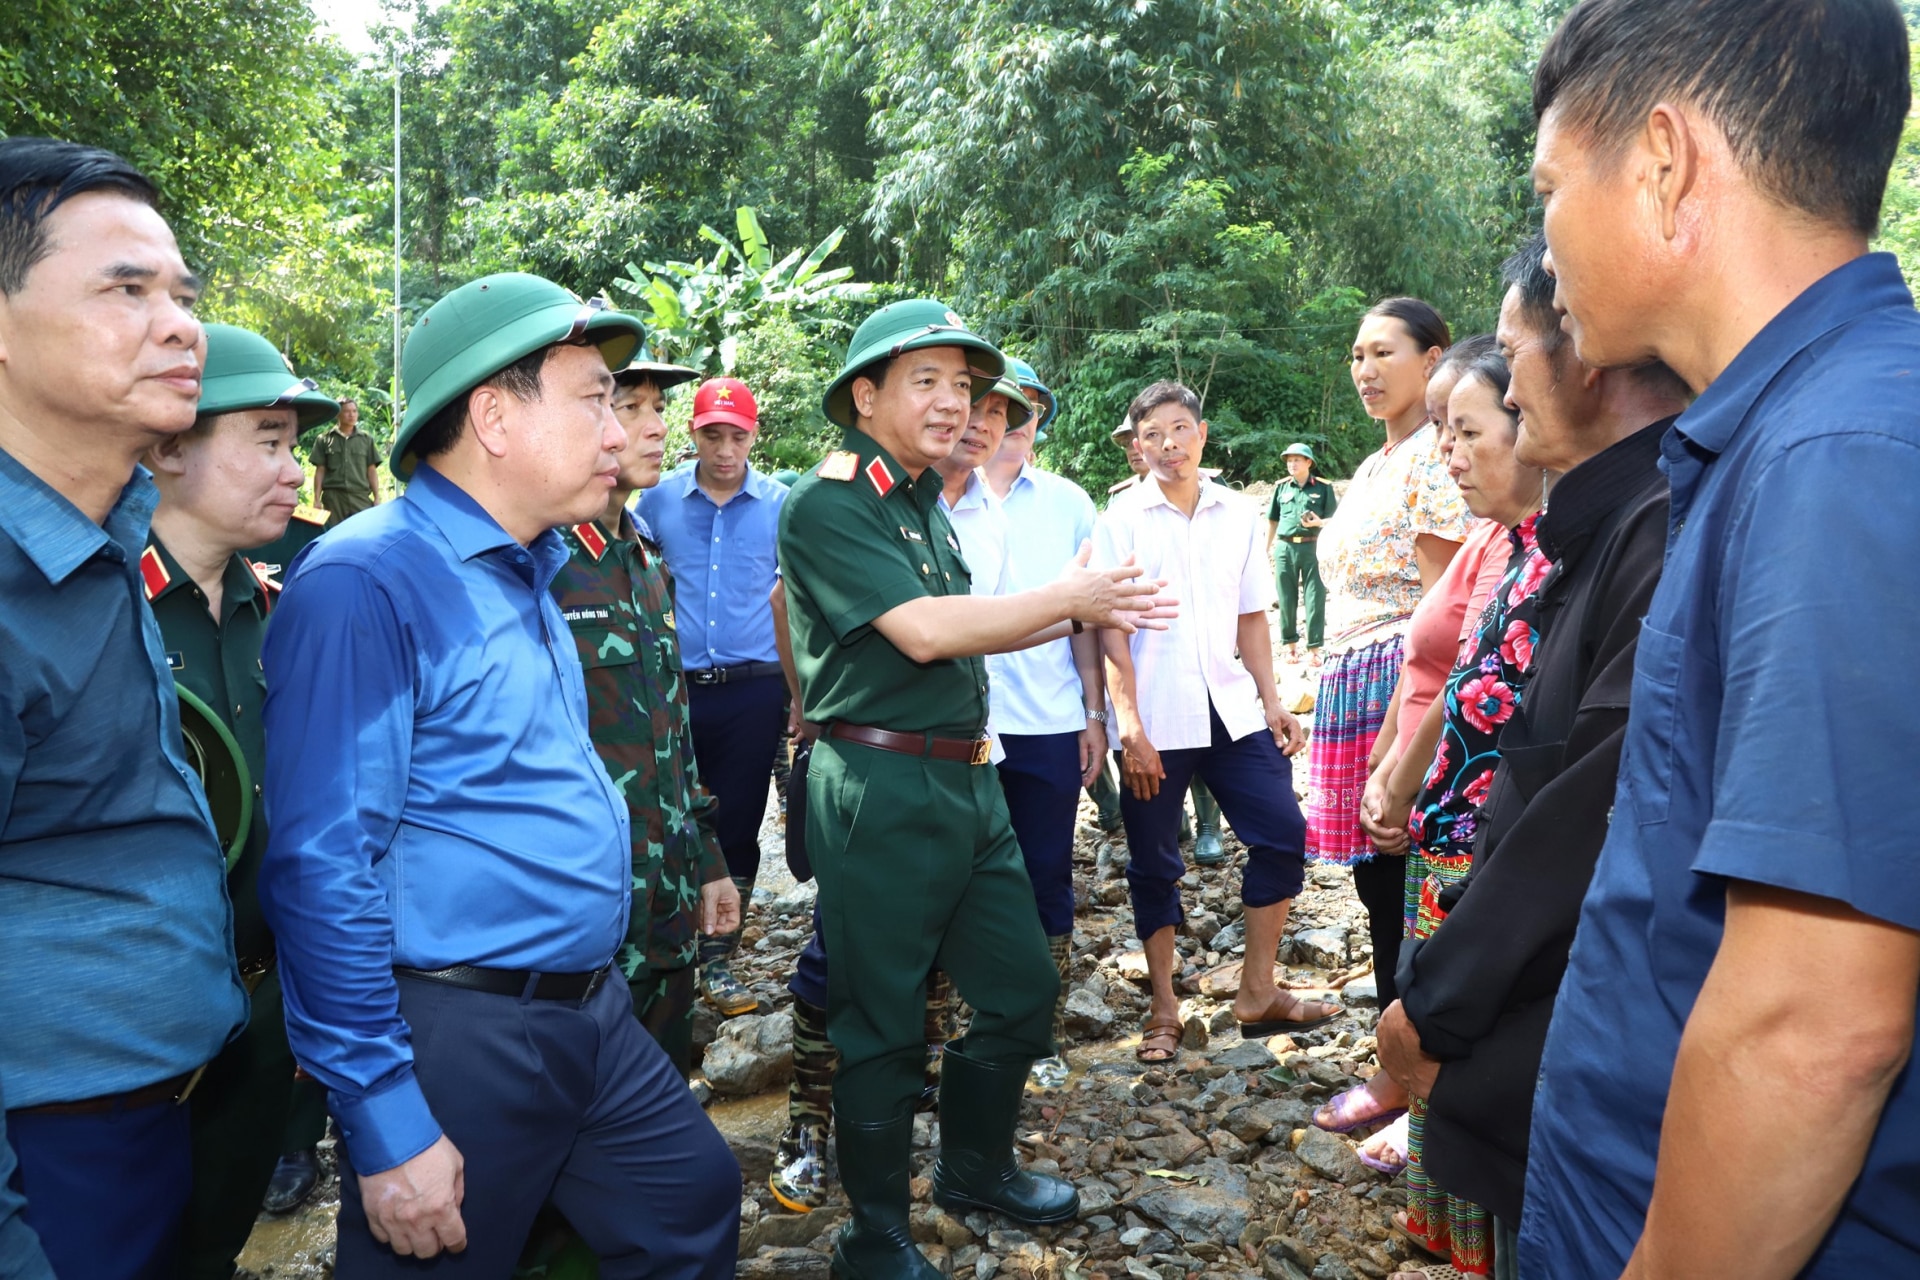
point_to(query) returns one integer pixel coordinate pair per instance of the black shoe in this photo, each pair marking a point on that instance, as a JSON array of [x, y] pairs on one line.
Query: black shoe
[[294, 1180], [979, 1107], [874, 1165]]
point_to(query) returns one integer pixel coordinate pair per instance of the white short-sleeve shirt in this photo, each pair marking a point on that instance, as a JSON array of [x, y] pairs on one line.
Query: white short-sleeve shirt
[[980, 523], [1215, 564]]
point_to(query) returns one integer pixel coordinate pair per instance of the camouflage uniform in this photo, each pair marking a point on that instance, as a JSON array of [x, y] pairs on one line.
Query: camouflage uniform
[[615, 595]]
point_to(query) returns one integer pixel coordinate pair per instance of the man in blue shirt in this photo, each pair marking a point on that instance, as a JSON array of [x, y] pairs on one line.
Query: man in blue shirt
[[1049, 701], [1711, 174], [448, 871], [117, 946], [717, 520]]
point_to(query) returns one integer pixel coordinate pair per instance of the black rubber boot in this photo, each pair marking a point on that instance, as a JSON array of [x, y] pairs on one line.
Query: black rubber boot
[[979, 1107], [877, 1244], [1208, 851]]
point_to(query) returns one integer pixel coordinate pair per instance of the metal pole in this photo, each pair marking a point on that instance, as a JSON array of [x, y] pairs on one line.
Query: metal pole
[[396, 233]]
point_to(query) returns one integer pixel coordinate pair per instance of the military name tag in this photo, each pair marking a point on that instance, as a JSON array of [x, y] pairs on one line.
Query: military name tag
[[587, 613], [911, 535], [839, 465], [176, 660]]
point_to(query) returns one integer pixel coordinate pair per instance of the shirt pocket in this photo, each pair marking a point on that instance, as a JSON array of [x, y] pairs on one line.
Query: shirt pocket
[[605, 644], [1654, 723]]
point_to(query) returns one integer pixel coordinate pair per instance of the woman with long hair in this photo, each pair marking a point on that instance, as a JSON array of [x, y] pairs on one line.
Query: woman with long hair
[[1396, 530]]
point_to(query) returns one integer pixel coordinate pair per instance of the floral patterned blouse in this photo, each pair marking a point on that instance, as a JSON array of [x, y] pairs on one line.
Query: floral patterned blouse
[[1366, 549], [1481, 695]]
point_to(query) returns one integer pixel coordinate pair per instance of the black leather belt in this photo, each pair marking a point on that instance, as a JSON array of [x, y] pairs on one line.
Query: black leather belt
[[577, 987], [1297, 539], [744, 671], [174, 1090]]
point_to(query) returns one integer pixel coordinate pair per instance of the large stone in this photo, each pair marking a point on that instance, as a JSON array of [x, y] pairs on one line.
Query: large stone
[[1329, 1156], [1324, 948], [1207, 1210], [1256, 1120], [1248, 1055], [785, 1264], [1087, 1015], [1362, 990], [1176, 1145], [751, 1054]]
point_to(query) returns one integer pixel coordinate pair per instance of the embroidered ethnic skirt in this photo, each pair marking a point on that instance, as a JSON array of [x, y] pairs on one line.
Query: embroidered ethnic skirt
[[1355, 688]]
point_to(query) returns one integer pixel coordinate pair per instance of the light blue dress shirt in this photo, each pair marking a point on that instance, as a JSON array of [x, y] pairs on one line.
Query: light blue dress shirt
[[434, 796], [116, 936], [1037, 690], [722, 560]]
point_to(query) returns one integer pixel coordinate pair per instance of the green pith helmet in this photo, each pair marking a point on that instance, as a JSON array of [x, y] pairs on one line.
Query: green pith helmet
[[1037, 391], [245, 371], [787, 476], [646, 369], [1123, 432], [1019, 408], [484, 326], [909, 326], [1297, 451]]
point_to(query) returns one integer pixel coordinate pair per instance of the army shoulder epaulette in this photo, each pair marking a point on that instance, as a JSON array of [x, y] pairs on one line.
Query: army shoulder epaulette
[[839, 465], [312, 515], [153, 573], [591, 538]]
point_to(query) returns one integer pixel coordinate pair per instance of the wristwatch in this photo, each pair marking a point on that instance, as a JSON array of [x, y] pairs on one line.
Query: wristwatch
[[1098, 717]]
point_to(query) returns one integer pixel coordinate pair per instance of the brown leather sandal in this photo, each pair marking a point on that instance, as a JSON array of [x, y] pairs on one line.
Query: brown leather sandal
[[1161, 1038]]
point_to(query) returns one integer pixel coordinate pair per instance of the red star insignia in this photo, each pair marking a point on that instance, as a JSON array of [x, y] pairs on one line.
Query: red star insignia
[[592, 539]]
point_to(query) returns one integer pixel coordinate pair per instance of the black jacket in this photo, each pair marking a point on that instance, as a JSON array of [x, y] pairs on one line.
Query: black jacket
[[1480, 991]]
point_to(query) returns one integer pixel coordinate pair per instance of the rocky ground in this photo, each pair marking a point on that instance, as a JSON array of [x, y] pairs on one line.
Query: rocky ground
[[1200, 1168]]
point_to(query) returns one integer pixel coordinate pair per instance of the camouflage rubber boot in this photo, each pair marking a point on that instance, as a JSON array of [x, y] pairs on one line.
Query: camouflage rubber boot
[[1208, 851], [1051, 1073], [939, 1030], [800, 1176], [718, 987]]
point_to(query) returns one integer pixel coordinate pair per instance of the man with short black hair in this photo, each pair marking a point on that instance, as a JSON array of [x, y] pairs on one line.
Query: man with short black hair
[[1711, 172], [450, 869], [118, 943], [346, 466]]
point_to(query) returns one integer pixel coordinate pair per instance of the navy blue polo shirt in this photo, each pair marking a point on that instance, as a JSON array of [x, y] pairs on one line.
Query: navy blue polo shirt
[[1772, 738]]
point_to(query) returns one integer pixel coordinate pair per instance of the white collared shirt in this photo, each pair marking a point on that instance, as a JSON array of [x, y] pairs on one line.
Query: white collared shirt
[[1215, 564]]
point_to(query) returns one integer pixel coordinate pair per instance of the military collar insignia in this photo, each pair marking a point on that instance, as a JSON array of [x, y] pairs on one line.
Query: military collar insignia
[[260, 575], [839, 465], [880, 477], [591, 538], [153, 573]]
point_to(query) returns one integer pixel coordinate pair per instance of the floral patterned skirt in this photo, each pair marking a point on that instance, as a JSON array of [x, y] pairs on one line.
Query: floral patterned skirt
[[1451, 1227], [1355, 688]]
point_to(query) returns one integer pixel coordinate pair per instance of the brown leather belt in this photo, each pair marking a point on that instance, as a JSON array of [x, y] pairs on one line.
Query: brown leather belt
[[174, 1090], [962, 750]]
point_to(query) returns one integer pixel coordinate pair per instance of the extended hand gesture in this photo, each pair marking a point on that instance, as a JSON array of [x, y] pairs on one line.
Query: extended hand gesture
[[1118, 598]]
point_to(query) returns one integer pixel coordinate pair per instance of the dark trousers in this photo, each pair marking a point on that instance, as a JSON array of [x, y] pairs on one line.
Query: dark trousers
[[736, 730], [1254, 784], [550, 1100], [106, 1192], [1381, 885], [1041, 777], [1296, 577], [239, 1118], [306, 1117]]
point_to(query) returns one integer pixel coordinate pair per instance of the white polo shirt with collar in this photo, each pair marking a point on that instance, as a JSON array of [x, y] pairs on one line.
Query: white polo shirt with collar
[[1214, 563]]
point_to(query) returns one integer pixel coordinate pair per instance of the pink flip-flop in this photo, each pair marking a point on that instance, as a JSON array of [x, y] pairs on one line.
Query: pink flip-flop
[[1343, 1114], [1394, 1138]]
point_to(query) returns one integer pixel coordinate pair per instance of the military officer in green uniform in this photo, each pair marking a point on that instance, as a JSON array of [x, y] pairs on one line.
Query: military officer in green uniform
[[346, 466], [906, 825], [230, 482], [1301, 504], [614, 593]]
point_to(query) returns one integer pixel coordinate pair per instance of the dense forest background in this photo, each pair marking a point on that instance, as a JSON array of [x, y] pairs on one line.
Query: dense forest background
[[1116, 189]]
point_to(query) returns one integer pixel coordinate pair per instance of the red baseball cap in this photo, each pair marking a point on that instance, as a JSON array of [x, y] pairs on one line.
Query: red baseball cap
[[725, 400]]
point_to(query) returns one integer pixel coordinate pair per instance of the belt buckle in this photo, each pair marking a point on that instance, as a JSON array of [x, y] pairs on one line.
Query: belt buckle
[[594, 984], [982, 751]]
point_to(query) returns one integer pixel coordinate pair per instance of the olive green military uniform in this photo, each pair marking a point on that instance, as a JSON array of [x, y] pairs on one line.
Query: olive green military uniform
[[239, 1108], [615, 595], [346, 459], [915, 856], [1296, 556]]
